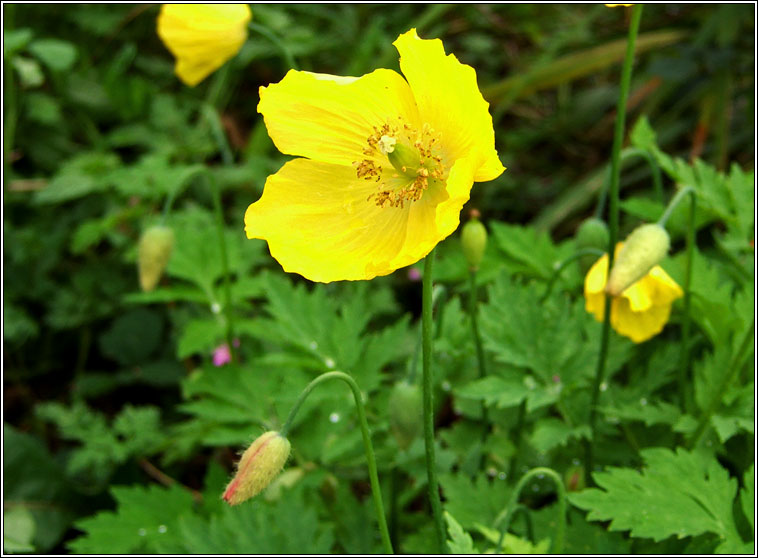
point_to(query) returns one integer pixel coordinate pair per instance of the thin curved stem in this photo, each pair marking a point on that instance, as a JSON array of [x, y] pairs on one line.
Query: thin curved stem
[[289, 59], [376, 491], [674, 203], [427, 325], [506, 515], [613, 226], [562, 265]]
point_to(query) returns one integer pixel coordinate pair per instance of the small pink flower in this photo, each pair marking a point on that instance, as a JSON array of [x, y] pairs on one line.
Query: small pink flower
[[414, 274], [222, 355]]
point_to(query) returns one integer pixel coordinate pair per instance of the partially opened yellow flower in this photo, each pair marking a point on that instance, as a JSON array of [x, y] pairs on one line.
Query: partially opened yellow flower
[[387, 164], [641, 310], [202, 36]]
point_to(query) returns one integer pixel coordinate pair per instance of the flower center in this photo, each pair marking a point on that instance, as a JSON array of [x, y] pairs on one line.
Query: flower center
[[411, 152]]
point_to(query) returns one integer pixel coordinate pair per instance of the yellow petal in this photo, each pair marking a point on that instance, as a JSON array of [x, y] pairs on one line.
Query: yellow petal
[[449, 100], [638, 326], [318, 223], [666, 290], [202, 37], [328, 118], [594, 281], [639, 295]]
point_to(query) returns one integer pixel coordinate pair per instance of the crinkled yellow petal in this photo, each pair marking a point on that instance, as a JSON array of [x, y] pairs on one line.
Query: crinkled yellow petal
[[328, 118], [449, 100], [666, 290], [202, 37], [638, 326], [639, 295], [317, 221]]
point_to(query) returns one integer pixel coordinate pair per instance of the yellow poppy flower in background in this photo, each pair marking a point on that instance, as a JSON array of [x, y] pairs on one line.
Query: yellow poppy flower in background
[[386, 164], [641, 310], [202, 36]]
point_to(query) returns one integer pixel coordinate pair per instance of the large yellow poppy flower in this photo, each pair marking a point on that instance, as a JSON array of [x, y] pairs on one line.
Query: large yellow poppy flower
[[386, 166], [641, 310], [202, 36]]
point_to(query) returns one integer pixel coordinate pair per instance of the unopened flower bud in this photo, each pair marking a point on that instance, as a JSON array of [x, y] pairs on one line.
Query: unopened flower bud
[[474, 240], [592, 233], [155, 246], [405, 411], [259, 465], [644, 248]]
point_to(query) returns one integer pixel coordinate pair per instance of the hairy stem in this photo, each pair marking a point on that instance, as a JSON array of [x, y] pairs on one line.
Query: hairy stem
[[427, 325], [376, 491]]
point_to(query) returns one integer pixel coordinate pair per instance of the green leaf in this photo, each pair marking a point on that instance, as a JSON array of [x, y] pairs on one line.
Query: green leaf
[[682, 494], [513, 544], [501, 392], [79, 176], [34, 481], [552, 432], [56, 54], [474, 501], [133, 336], [135, 431], [43, 108], [460, 541], [142, 517], [29, 72], [747, 496], [14, 40], [200, 336], [531, 252]]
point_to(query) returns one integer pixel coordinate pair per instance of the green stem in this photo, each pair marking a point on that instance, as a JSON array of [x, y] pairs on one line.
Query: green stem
[[684, 355], [506, 515], [734, 366], [613, 226], [427, 324], [562, 265], [473, 311], [367, 446], [216, 195], [674, 203], [289, 59]]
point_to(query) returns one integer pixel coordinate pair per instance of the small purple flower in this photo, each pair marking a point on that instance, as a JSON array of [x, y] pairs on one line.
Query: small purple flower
[[414, 274]]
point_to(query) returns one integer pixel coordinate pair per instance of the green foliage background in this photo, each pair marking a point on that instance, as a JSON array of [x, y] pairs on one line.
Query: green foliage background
[[120, 433]]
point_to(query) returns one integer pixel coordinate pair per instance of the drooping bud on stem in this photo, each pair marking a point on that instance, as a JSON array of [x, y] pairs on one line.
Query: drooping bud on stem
[[644, 248], [259, 465], [155, 246], [474, 240]]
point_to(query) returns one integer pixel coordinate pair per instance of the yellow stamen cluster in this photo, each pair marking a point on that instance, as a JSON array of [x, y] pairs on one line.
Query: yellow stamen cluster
[[411, 152]]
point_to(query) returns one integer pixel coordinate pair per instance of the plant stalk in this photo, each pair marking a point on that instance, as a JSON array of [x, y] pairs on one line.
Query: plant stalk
[[506, 515], [376, 491], [427, 331], [613, 226]]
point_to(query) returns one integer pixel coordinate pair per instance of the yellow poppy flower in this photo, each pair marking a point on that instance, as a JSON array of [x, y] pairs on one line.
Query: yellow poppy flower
[[641, 310], [202, 36], [386, 164]]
